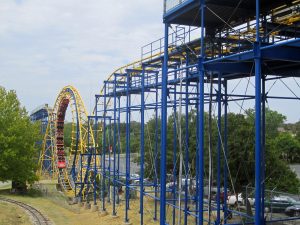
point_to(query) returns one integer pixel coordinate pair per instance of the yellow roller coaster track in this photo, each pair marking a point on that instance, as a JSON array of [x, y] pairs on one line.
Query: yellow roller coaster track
[[66, 166]]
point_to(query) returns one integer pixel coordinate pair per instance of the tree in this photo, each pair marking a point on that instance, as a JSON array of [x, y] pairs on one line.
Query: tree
[[68, 134], [287, 147], [241, 149], [18, 135]]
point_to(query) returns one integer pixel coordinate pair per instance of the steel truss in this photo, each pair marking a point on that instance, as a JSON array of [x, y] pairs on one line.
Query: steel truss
[[176, 75]]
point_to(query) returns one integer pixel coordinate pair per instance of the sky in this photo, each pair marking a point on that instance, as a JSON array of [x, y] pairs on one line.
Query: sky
[[48, 44]]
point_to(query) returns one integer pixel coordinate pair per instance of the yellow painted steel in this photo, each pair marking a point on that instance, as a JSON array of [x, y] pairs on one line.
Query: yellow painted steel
[[79, 145], [47, 154]]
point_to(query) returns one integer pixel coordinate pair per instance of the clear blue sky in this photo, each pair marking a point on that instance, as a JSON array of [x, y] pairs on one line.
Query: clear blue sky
[[45, 45]]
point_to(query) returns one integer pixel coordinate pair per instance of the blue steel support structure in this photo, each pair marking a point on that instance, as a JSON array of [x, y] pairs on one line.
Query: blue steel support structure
[[258, 180], [163, 148], [225, 153], [127, 147], [219, 100], [201, 118], [174, 151], [42, 114], [186, 141], [156, 151], [114, 213], [104, 147], [142, 150], [158, 74]]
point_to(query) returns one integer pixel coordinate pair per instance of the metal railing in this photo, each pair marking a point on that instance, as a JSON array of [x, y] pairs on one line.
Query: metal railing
[[171, 4], [181, 35]]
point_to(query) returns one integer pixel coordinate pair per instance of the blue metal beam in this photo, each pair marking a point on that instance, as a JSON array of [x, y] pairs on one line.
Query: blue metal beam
[[163, 150]]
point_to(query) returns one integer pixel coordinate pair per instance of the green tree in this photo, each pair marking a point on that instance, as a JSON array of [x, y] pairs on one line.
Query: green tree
[[68, 134], [287, 147], [297, 130], [18, 135], [241, 148]]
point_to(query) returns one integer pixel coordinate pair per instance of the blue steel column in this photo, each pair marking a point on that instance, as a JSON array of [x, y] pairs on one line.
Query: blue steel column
[[263, 147], [219, 148], [142, 146], [257, 56], [127, 146], [90, 152], [174, 148], [109, 159], [164, 129], [114, 148], [225, 152], [186, 142], [95, 155], [201, 118], [103, 150], [119, 137], [156, 149], [197, 153]]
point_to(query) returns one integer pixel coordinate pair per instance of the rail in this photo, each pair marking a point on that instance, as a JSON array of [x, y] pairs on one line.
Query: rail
[[37, 216]]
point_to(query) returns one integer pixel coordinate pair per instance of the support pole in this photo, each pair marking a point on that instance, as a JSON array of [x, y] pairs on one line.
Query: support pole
[[263, 148], [197, 154], [187, 184], [127, 146], [95, 155], [119, 137], [257, 58], [103, 151], [163, 159], [156, 150], [219, 96], [114, 213], [225, 152], [142, 147], [201, 117], [174, 150]]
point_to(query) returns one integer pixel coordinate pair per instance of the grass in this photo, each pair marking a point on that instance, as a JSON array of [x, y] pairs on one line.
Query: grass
[[12, 215], [57, 208]]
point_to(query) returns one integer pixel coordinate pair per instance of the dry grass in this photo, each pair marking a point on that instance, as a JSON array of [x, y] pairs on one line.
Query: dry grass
[[55, 206], [12, 215], [60, 215]]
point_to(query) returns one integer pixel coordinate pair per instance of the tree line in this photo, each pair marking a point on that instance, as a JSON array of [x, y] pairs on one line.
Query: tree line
[[19, 151]]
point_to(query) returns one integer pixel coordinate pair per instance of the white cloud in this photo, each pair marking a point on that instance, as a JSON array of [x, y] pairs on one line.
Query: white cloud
[[47, 44]]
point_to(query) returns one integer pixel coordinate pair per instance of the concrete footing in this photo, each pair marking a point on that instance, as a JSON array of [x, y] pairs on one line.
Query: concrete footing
[[94, 208], [75, 200], [127, 223], [87, 205], [114, 216], [103, 213]]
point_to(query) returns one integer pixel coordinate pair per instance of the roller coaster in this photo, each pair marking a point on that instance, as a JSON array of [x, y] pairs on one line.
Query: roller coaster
[[69, 168], [212, 44]]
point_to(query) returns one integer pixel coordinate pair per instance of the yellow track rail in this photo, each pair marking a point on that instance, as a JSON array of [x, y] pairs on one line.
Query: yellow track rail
[[79, 114]]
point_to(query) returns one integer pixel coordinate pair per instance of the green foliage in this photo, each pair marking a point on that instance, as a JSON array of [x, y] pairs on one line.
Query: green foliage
[[287, 147], [241, 148], [18, 154], [281, 148], [68, 134], [278, 173]]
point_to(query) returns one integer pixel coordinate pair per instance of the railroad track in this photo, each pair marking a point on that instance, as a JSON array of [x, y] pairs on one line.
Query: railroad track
[[37, 217]]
